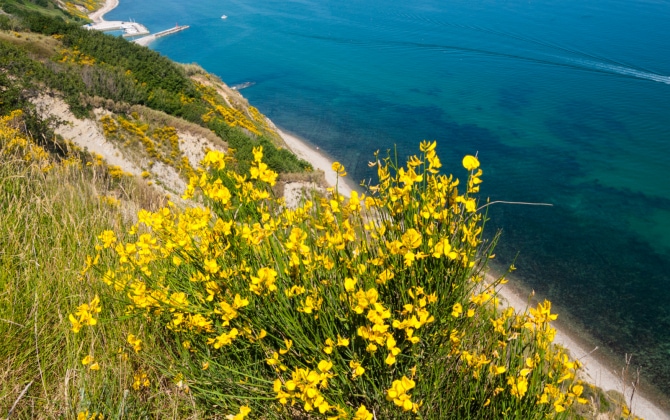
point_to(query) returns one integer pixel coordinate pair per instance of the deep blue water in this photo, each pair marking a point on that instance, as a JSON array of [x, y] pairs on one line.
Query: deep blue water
[[566, 102]]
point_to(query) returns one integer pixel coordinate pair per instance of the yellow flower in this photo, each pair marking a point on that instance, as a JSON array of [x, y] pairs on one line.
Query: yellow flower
[[384, 276], [358, 370], [84, 415], [427, 146], [274, 360], [135, 342], [363, 414], [325, 366], [211, 266], [265, 280], [342, 342], [470, 162], [108, 238], [223, 339], [84, 314], [140, 380], [328, 348], [244, 411], [349, 284], [393, 350], [288, 344], [87, 360], [398, 393], [214, 159], [258, 153], [497, 370], [339, 168], [411, 239], [518, 386]]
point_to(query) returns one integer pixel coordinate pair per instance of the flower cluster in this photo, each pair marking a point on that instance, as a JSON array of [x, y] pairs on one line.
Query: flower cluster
[[318, 310], [75, 56], [160, 144], [84, 314], [231, 116]]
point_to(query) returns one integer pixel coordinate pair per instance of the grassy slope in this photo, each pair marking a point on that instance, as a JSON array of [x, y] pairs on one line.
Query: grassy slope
[[47, 228]]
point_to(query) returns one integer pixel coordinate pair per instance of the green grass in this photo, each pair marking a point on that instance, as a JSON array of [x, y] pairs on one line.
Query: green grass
[[48, 225]]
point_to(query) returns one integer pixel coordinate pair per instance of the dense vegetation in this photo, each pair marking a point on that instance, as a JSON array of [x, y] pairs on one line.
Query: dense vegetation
[[90, 68], [373, 306]]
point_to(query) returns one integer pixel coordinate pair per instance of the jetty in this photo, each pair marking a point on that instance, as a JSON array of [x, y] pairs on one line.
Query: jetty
[[145, 40], [128, 28]]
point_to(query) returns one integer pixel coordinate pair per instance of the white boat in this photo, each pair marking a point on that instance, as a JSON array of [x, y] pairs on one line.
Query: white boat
[[224, 17]]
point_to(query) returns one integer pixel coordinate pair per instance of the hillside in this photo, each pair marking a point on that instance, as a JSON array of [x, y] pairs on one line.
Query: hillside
[[44, 53], [150, 267]]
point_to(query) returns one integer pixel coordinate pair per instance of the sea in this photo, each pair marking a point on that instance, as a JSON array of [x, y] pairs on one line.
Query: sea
[[565, 102]]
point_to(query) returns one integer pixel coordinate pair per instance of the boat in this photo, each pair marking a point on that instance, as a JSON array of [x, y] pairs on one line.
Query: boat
[[224, 17]]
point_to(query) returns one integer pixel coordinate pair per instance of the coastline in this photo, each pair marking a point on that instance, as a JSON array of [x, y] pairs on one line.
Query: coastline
[[98, 15], [301, 148], [596, 369]]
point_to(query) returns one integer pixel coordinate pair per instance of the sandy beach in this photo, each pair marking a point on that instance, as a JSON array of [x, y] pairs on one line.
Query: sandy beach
[[319, 161], [595, 371], [98, 15]]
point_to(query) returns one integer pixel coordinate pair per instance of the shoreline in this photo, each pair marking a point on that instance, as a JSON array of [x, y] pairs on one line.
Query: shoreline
[[319, 160], [597, 368], [98, 15]]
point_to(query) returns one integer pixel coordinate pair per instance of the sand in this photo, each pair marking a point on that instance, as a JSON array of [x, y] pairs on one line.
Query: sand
[[97, 16], [319, 161]]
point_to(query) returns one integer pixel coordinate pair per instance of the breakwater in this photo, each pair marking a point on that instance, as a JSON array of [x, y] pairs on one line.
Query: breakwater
[[147, 39]]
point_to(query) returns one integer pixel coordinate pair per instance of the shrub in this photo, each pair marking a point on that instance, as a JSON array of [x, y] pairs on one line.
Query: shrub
[[375, 306]]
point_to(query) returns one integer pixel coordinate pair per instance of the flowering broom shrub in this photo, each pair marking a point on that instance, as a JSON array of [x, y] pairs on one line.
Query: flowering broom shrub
[[375, 306]]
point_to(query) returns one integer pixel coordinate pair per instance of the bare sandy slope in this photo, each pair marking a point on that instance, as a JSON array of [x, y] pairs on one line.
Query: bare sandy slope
[[85, 133], [88, 134]]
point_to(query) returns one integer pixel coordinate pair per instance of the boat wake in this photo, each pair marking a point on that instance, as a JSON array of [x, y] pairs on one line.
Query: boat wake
[[620, 70], [579, 60]]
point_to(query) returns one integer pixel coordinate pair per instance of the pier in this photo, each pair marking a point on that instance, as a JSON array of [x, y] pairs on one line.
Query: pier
[[147, 39]]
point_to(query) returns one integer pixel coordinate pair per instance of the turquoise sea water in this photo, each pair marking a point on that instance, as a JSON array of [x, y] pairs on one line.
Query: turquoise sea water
[[566, 102]]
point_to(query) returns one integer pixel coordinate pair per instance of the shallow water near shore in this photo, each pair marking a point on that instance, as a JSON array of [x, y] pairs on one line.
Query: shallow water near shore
[[565, 103]]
